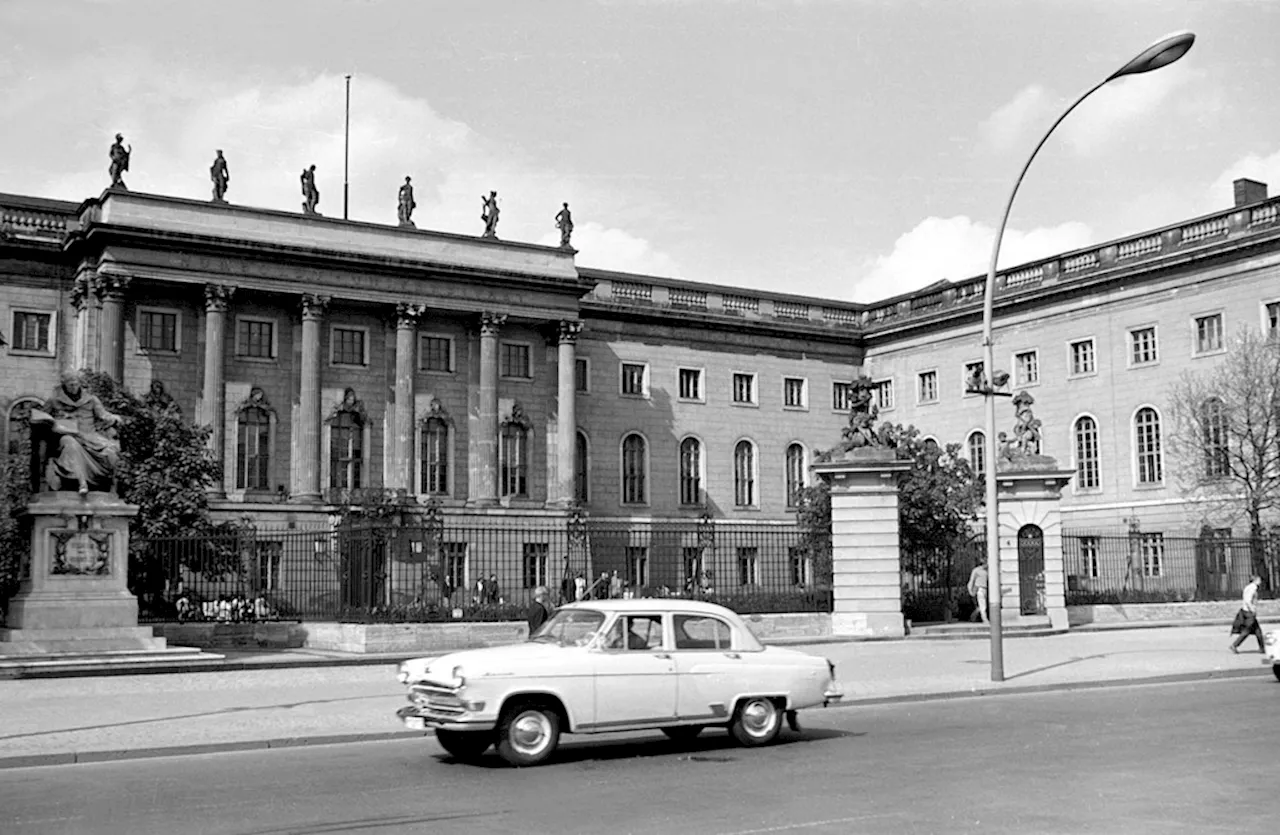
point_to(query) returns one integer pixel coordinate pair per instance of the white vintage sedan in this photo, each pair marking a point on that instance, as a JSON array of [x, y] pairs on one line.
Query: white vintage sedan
[[615, 665]]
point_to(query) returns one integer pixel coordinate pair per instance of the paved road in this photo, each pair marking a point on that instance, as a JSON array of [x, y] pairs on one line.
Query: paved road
[[1161, 758]]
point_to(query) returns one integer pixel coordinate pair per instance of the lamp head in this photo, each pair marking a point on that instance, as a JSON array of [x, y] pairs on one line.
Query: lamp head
[[1160, 54]]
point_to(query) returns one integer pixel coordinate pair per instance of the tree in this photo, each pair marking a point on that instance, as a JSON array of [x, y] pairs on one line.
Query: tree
[[937, 501], [1225, 439]]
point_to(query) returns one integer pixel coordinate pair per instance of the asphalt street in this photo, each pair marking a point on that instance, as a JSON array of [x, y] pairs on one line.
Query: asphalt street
[[1158, 758]]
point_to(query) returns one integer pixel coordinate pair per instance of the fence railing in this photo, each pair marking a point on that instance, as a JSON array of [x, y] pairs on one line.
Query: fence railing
[[448, 569]]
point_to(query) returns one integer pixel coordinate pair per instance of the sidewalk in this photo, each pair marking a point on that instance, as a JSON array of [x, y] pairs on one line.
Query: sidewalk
[[264, 700]]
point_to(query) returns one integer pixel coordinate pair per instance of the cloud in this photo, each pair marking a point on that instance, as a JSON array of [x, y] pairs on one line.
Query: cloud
[[957, 248], [1265, 169], [271, 129], [1002, 130]]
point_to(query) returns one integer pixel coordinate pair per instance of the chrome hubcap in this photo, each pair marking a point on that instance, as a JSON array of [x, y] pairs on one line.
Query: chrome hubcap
[[758, 717], [530, 732]]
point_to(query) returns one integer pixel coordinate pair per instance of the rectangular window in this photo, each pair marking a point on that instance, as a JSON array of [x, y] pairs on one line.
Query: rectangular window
[[974, 373], [795, 393], [255, 338], [1142, 346], [270, 554], [436, 354], [1026, 367], [455, 567], [927, 387], [635, 379], [690, 383], [692, 566], [748, 566], [744, 388], [32, 331], [1152, 554], [1089, 556], [157, 330], [514, 361], [637, 566], [1272, 311], [842, 396], [1209, 333], [884, 395], [801, 566], [536, 557], [349, 346], [1082, 358], [581, 376]]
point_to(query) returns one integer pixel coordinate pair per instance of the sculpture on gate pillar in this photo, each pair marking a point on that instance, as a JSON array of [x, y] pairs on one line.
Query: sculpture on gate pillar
[[78, 436]]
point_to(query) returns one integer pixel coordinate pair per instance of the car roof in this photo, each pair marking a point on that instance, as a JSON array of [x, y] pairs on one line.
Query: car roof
[[653, 604]]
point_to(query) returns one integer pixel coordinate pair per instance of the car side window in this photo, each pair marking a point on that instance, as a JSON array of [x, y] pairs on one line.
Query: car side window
[[635, 632], [702, 632]]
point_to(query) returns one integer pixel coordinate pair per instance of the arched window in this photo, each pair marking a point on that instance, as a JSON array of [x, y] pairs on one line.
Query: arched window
[[514, 460], [796, 472], [744, 474], [18, 432], [253, 449], [977, 448], [435, 457], [581, 490], [691, 471], [1146, 425], [1213, 425], [633, 470], [1086, 435]]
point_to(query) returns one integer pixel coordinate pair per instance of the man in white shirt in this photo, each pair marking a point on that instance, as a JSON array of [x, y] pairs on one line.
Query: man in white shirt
[[1247, 619]]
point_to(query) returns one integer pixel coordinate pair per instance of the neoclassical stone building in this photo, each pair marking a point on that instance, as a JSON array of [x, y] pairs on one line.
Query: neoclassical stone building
[[502, 379]]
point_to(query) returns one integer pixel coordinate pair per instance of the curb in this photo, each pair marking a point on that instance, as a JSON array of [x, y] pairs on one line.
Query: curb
[[86, 757]]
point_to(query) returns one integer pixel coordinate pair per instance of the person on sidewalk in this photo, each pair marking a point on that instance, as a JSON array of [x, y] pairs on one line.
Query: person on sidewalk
[[539, 611], [1246, 622], [978, 591]]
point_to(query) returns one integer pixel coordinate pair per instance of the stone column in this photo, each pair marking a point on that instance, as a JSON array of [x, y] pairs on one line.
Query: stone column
[[308, 428], [82, 301], [865, 558], [407, 318], [487, 443], [216, 299], [567, 414], [112, 289], [1031, 494]]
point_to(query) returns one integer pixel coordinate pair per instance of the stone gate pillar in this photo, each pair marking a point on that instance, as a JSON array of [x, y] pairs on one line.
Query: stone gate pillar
[[1029, 497], [866, 567]]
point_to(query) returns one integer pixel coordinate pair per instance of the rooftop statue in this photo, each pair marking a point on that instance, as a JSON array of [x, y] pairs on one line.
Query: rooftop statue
[[406, 204], [220, 176], [310, 194], [119, 161], [489, 214], [564, 222]]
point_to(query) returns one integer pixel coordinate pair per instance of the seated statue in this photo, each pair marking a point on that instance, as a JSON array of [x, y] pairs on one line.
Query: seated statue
[[83, 453]]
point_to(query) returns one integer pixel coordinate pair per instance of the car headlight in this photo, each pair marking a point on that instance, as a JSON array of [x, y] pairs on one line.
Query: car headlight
[[402, 673], [459, 680]]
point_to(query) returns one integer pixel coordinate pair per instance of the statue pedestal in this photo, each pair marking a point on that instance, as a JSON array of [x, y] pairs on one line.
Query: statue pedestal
[[865, 565], [1032, 579], [74, 595]]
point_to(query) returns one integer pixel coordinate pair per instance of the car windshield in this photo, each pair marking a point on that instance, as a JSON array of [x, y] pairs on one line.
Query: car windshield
[[570, 627]]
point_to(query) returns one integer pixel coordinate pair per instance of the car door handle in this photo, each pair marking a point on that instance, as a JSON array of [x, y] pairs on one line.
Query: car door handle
[[732, 655], [665, 655]]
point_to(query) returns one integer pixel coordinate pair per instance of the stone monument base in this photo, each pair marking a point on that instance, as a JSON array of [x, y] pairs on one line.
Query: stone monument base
[[73, 596], [868, 624]]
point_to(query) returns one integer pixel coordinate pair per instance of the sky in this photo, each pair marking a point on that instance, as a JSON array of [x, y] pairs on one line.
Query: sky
[[847, 149]]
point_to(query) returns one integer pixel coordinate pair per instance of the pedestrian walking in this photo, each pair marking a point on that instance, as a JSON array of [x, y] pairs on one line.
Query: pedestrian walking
[[539, 611], [1246, 622], [978, 591]]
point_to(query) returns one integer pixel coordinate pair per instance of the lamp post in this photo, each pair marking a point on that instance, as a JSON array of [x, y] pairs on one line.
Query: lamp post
[[1161, 53]]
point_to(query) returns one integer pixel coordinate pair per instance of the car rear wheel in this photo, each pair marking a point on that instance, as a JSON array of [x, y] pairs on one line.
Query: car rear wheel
[[1275, 668], [528, 734], [756, 722], [683, 733], [464, 745]]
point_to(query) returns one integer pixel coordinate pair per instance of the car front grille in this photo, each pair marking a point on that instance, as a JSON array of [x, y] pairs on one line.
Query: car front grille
[[437, 700]]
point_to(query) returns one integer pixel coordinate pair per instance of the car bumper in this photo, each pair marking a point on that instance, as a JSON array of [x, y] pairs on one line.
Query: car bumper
[[422, 719], [832, 695]]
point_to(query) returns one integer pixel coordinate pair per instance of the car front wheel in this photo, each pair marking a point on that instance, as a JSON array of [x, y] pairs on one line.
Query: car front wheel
[[464, 745], [528, 734], [1275, 668], [757, 722]]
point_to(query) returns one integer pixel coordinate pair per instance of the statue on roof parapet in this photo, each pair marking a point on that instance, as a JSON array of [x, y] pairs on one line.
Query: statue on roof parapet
[[489, 214], [406, 204], [564, 222], [119, 154], [310, 194], [220, 176]]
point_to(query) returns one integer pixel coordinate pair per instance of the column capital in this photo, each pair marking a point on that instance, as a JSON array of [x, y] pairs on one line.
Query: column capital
[[408, 315], [111, 286], [314, 306], [218, 296], [569, 331], [81, 291], [491, 323]]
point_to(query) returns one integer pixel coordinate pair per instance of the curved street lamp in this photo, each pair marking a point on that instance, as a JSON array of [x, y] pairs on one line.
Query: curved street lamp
[[1160, 54]]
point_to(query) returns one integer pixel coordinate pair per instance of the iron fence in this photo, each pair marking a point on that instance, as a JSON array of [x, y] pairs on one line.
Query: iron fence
[[444, 568], [935, 579]]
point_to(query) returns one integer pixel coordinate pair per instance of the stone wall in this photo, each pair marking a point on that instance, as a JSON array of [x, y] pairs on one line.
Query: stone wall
[[1136, 613]]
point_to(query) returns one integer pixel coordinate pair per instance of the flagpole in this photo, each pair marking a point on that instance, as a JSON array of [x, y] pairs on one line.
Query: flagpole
[[346, 153]]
